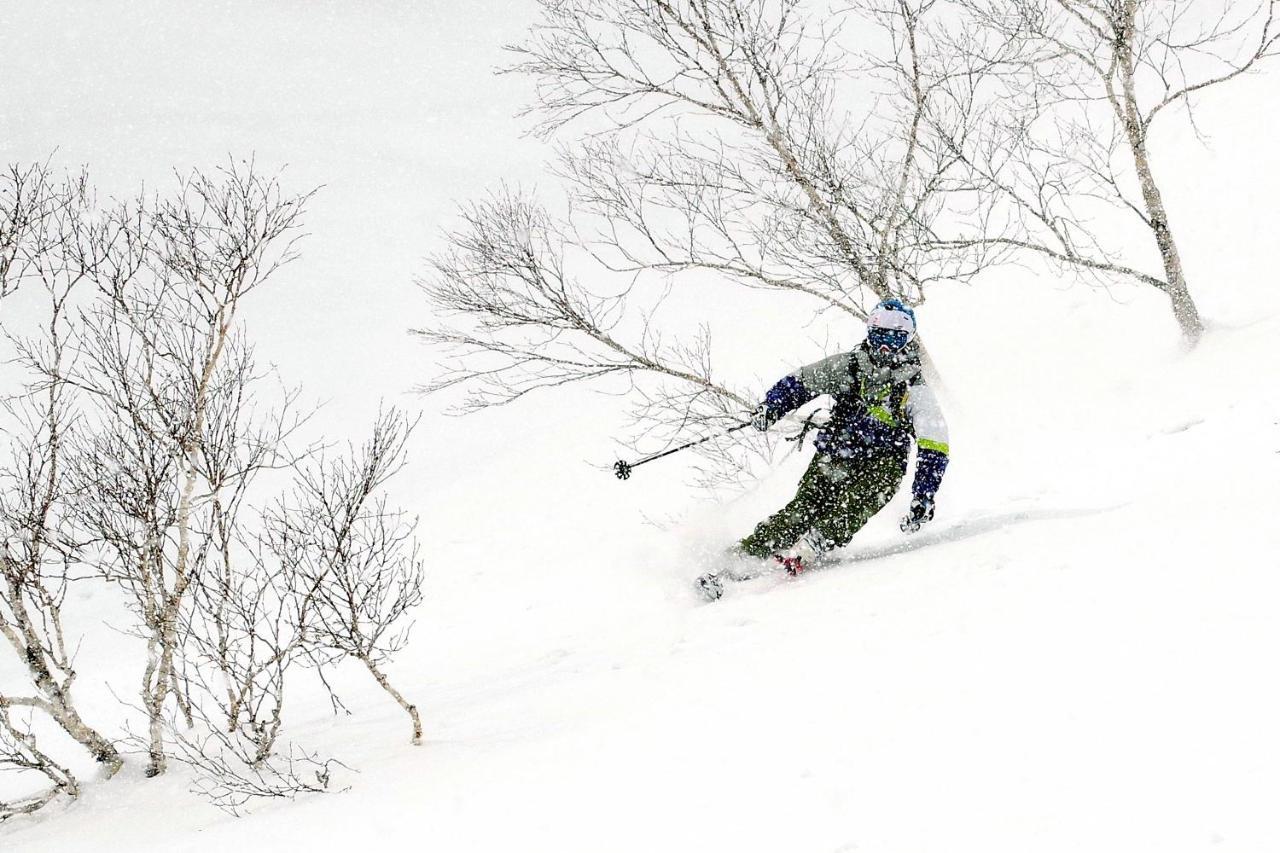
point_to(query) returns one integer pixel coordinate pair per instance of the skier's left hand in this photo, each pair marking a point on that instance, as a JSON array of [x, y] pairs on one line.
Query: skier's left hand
[[920, 513]]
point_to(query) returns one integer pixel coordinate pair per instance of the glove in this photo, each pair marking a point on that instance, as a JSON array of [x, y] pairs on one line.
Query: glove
[[762, 417], [921, 512]]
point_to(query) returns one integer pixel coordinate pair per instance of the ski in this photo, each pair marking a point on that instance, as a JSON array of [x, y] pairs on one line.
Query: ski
[[711, 586]]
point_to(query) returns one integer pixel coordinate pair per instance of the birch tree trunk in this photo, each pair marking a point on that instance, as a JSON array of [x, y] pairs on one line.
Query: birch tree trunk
[[55, 701], [1130, 115], [409, 707]]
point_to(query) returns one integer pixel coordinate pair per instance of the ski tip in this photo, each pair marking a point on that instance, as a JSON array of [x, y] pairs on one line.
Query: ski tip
[[709, 586]]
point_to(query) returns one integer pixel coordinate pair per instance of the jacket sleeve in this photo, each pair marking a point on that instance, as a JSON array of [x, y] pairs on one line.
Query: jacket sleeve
[[828, 376], [932, 439]]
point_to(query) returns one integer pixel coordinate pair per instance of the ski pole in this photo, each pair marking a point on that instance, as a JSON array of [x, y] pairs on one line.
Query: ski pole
[[623, 469]]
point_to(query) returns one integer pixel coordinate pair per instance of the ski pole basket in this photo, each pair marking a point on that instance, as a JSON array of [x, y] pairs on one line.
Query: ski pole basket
[[622, 468]]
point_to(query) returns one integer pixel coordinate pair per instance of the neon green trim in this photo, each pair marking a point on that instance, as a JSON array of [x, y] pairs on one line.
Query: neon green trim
[[941, 447], [881, 414]]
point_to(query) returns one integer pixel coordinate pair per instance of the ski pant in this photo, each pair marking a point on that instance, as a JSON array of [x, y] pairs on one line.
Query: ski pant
[[836, 497]]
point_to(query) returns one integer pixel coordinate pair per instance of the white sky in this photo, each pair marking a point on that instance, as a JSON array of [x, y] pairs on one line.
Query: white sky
[[391, 105]]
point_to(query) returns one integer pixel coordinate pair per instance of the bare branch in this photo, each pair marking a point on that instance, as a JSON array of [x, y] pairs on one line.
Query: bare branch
[[714, 151], [19, 752], [348, 560]]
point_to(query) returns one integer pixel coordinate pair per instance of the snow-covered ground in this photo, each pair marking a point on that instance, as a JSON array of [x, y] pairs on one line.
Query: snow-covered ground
[[1077, 655]]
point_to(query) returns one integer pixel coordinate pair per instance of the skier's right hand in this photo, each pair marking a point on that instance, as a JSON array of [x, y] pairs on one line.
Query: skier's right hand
[[762, 417]]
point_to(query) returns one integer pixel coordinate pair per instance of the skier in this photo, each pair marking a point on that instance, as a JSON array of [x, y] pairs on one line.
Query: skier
[[881, 402]]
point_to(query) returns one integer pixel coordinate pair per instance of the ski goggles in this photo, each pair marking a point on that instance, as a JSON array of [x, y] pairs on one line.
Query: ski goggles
[[893, 339]]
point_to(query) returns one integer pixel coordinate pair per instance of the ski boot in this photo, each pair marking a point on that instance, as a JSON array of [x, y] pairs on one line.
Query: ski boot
[[805, 554], [792, 565]]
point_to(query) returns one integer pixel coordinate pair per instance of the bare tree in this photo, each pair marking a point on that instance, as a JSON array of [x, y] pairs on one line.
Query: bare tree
[[317, 578], [136, 455], [349, 559], [1078, 89], [714, 145], [40, 556], [160, 358]]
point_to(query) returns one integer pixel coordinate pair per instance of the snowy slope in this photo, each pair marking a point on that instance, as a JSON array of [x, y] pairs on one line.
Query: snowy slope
[[1074, 656], [1077, 655]]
